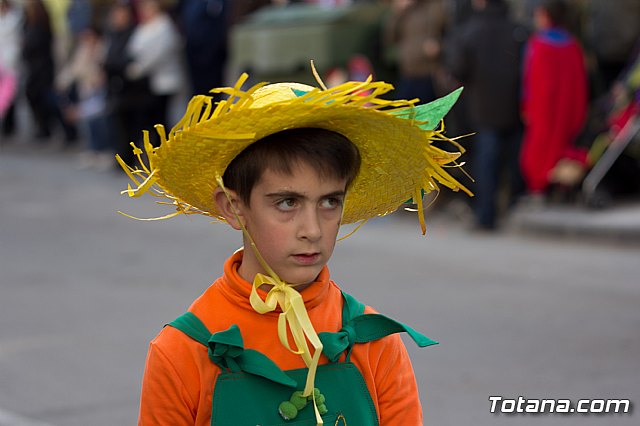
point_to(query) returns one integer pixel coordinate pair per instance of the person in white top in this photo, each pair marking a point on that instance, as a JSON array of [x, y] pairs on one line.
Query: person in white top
[[156, 51]]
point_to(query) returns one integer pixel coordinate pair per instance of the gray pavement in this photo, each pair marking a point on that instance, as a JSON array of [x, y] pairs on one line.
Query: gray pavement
[[618, 223], [83, 290]]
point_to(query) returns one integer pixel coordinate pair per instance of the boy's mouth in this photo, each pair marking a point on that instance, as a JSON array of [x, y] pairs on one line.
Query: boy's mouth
[[306, 258]]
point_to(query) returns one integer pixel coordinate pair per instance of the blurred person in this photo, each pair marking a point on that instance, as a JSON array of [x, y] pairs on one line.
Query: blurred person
[[415, 29], [459, 11], [554, 95], [85, 72], [155, 49], [81, 15], [78, 16], [612, 29], [205, 25], [485, 57], [330, 3], [8, 87], [10, 30], [127, 99], [620, 113], [38, 65]]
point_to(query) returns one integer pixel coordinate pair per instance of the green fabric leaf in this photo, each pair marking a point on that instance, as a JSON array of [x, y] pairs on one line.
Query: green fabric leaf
[[431, 113]]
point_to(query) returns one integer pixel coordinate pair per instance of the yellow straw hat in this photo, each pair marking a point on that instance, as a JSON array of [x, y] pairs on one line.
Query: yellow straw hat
[[399, 161]]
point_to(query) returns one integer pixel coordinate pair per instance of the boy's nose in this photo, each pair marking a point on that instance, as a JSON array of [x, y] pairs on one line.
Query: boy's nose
[[309, 227]]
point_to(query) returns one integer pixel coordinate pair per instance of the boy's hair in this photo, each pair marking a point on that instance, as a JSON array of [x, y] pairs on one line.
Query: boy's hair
[[329, 153]]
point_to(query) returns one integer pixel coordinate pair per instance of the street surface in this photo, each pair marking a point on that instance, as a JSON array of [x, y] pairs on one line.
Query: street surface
[[83, 290]]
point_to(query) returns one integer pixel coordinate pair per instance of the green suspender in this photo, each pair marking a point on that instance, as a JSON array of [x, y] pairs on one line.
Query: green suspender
[[358, 327], [226, 350]]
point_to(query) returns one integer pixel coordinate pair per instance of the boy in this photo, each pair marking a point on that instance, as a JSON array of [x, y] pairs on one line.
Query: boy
[[286, 164]]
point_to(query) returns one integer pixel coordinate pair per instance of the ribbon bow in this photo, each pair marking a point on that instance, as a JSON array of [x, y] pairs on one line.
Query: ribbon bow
[[226, 349], [363, 329], [334, 344]]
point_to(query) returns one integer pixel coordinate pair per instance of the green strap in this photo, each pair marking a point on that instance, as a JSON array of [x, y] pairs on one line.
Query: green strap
[[191, 325], [351, 308], [226, 350], [364, 328]]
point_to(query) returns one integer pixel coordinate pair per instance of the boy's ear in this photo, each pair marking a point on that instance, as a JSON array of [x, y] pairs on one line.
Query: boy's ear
[[230, 212]]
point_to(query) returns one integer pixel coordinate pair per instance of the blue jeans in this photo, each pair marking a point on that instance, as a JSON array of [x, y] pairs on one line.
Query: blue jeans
[[99, 133], [495, 152]]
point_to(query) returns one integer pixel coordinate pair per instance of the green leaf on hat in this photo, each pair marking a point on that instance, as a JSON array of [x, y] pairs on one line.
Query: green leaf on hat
[[433, 112]]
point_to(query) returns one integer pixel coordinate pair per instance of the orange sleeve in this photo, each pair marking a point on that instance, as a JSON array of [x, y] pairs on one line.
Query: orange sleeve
[[165, 398], [396, 387]]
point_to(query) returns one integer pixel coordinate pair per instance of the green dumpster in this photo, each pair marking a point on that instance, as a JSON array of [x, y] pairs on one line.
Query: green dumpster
[[277, 43]]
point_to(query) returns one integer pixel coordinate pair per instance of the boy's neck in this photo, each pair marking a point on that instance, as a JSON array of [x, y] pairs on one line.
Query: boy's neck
[[267, 287]]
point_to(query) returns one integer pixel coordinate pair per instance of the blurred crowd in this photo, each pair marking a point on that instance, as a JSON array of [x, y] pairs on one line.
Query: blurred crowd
[[543, 79]]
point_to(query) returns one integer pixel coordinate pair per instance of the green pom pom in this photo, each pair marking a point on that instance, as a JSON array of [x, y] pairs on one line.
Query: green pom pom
[[322, 409], [320, 399], [287, 410], [298, 400], [316, 392]]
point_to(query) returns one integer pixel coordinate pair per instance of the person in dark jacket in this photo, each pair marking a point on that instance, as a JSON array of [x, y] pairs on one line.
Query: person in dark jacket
[[205, 31], [485, 57], [127, 99], [37, 58], [416, 29]]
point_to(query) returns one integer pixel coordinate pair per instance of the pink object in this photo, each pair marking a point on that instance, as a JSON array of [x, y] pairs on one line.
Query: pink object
[[7, 90]]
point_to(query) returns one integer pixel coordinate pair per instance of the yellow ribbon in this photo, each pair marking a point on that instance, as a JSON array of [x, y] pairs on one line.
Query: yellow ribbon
[[294, 314]]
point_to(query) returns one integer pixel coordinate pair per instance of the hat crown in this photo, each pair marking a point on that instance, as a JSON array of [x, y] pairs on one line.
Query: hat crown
[[277, 92]]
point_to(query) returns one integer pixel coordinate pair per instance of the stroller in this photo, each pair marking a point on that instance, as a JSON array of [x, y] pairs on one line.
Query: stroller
[[607, 152], [606, 159]]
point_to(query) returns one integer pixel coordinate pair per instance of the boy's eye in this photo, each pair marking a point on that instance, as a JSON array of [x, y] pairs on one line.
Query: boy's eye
[[331, 203], [286, 204]]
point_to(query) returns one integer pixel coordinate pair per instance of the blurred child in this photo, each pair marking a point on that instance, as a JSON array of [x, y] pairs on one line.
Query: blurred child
[[85, 72], [555, 95]]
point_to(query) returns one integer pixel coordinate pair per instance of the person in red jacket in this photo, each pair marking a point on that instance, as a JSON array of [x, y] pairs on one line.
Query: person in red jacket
[[274, 339], [554, 95]]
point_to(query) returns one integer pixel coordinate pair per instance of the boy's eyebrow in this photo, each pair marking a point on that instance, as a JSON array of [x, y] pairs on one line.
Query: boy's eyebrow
[[294, 194]]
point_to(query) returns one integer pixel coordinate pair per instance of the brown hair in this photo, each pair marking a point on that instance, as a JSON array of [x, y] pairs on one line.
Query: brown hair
[[329, 153], [557, 10]]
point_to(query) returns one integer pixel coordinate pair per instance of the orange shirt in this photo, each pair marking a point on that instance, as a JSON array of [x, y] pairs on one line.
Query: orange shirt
[[179, 378]]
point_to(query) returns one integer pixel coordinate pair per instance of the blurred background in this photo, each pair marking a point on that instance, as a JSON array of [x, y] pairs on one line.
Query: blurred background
[[531, 286]]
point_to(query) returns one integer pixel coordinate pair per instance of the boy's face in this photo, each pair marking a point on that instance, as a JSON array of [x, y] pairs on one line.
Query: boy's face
[[294, 221]]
